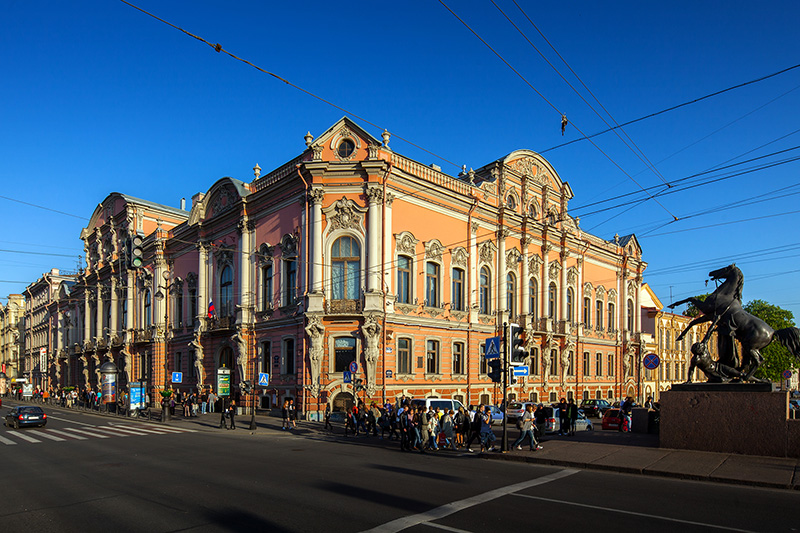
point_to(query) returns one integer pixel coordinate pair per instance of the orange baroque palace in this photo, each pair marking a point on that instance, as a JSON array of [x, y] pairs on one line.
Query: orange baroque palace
[[349, 253]]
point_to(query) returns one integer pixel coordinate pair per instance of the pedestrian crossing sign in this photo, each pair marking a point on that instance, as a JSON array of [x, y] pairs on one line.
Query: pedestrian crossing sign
[[493, 348], [263, 379]]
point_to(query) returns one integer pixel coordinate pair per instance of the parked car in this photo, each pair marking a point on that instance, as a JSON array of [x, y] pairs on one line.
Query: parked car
[[611, 419], [595, 407], [515, 410], [25, 415], [553, 422], [497, 415]]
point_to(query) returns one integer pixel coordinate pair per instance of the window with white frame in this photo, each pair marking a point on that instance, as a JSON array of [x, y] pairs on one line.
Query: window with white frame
[[345, 269], [403, 356], [457, 296], [266, 286], [225, 308], [288, 357], [484, 291], [458, 358], [432, 357], [511, 295], [404, 278], [432, 284]]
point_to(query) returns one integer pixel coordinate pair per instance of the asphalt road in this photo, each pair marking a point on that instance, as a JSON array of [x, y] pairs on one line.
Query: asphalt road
[[216, 480]]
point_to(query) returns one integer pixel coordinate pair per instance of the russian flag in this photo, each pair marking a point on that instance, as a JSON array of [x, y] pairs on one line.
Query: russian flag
[[211, 310]]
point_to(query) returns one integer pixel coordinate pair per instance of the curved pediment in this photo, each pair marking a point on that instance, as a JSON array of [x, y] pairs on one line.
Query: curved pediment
[[535, 168], [225, 195]]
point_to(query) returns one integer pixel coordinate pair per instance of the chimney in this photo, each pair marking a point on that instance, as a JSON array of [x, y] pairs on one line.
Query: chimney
[[183, 204]]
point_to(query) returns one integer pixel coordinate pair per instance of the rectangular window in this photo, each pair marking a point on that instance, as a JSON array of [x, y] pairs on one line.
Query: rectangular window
[[677, 371], [123, 311], [344, 353], [599, 314], [484, 368], [586, 363], [598, 367], [587, 312], [667, 372], [571, 365], [432, 284], [178, 362], [611, 322], [266, 287], [458, 290], [432, 357], [288, 357], [290, 281], [553, 363], [534, 367], [403, 280], [403, 356], [192, 369], [458, 358], [611, 364], [192, 306], [179, 308], [266, 356]]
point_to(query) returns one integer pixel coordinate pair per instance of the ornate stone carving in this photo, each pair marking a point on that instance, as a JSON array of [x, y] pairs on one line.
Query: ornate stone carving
[[316, 333], [601, 292], [459, 256], [528, 167], [534, 263], [612, 296], [554, 270], [513, 259], [572, 276], [344, 214], [434, 250], [316, 151], [241, 357], [224, 256], [374, 195], [288, 245], [372, 151], [224, 200], [197, 344], [486, 252], [371, 330], [406, 243], [316, 195]]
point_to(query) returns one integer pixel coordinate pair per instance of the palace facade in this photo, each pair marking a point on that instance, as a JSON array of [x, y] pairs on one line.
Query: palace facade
[[351, 254]]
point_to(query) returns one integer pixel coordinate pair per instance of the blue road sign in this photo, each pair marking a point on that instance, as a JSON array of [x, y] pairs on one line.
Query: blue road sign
[[353, 367], [263, 379], [177, 377], [787, 374], [521, 370], [347, 377], [389, 374], [492, 347], [651, 361]]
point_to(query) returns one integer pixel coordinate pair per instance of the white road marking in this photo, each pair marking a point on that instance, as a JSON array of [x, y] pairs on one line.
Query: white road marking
[[22, 436], [7, 442], [446, 528], [455, 507], [104, 431], [68, 435], [46, 435], [632, 513], [70, 421], [120, 429], [98, 435]]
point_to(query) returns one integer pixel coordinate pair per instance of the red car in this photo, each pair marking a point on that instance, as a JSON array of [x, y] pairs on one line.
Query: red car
[[612, 419]]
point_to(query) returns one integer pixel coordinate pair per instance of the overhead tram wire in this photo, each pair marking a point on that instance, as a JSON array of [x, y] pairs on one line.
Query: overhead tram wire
[[552, 105], [219, 49], [673, 108], [632, 146]]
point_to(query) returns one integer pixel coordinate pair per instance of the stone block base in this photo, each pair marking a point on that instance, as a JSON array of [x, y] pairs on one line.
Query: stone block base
[[743, 421]]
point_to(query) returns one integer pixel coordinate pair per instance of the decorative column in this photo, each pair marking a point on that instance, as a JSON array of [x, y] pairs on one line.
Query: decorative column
[[112, 327], [563, 291], [525, 278], [500, 277], [202, 283], [373, 301], [315, 297], [472, 297]]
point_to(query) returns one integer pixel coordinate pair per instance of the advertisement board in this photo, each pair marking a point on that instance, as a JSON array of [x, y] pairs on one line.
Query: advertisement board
[[109, 387], [224, 382]]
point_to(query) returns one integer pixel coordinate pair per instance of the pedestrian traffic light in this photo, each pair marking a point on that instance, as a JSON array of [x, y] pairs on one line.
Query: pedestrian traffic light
[[516, 349], [136, 257], [359, 384], [494, 370]]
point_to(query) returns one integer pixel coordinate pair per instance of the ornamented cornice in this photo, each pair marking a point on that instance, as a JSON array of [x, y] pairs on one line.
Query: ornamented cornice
[[513, 259], [434, 250], [344, 214], [486, 252], [529, 167], [458, 257], [406, 243]]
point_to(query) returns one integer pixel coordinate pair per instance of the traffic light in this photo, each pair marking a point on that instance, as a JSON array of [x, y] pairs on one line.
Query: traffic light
[[512, 380], [359, 384], [136, 259], [494, 370], [516, 349]]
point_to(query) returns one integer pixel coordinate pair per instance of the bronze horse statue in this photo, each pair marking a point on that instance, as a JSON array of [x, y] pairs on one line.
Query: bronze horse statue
[[724, 307]]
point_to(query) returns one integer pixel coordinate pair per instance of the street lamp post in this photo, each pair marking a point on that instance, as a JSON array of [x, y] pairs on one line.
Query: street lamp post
[[164, 296]]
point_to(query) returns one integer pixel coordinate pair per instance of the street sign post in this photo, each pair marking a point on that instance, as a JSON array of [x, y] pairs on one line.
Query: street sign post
[[787, 374], [347, 377], [493, 348], [521, 370], [263, 379], [177, 377], [651, 361]]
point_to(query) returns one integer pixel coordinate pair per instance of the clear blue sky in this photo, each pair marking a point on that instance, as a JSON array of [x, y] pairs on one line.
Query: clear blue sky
[[98, 97]]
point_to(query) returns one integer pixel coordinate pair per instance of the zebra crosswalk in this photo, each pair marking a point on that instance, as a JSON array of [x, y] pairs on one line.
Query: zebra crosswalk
[[39, 435]]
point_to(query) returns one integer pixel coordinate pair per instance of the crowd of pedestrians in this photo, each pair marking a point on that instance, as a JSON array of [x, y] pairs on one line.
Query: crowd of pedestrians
[[430, 429]]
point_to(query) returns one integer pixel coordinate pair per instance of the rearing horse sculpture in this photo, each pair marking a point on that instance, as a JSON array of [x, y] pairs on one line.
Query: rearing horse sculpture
[[715, 305], [724, 306]]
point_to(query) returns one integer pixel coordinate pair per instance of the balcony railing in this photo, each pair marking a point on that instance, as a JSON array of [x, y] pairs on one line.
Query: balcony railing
[[343, 307]]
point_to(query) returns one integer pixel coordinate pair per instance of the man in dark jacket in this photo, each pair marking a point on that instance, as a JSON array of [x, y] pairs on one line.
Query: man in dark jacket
[[563, 417]]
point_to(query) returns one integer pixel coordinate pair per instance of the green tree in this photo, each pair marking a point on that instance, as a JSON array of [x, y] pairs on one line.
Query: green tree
[[691, 310], [776, 357]]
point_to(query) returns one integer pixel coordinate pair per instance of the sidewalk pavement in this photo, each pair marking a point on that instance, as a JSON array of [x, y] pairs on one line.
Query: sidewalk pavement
[[632, 453]]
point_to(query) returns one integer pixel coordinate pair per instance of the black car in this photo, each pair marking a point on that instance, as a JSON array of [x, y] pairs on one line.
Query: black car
[[595, 407], [25, 415]]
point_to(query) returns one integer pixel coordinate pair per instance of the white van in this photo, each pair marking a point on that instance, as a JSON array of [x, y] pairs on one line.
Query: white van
[[441, 403]]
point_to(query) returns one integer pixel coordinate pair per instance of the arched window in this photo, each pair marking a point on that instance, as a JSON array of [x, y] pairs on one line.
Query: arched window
[[552, 308], [148, 309], [226, 358], [511, 295], [345, 269], [226, 292], [403, 279], [534, 298], [485, 292], [570, 300]]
